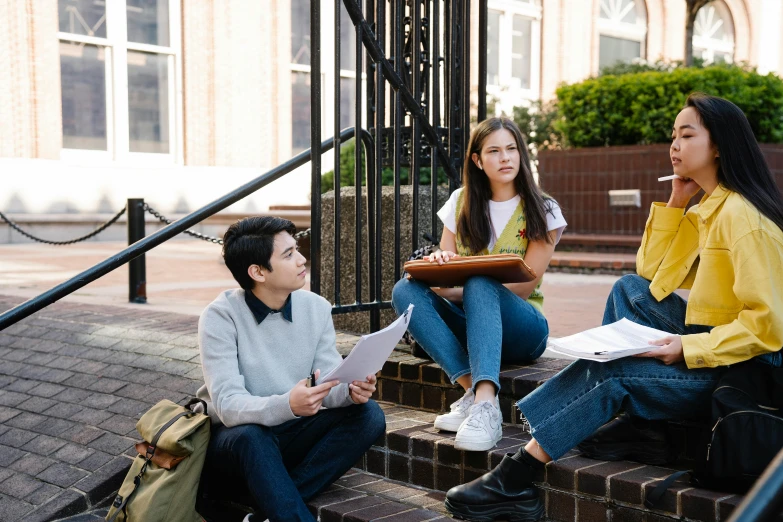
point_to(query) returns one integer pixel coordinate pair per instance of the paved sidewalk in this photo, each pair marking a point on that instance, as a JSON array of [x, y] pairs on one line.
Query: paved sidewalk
[[183, 276], [76, 376]]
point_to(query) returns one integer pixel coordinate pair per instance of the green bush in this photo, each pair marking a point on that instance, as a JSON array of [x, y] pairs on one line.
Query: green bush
[[542, 125], [347, 162], [638, 66], [640, 108]]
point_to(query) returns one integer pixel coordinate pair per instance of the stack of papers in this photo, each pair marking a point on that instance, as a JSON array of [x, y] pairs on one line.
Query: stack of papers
[[608, 342], [369, 354]]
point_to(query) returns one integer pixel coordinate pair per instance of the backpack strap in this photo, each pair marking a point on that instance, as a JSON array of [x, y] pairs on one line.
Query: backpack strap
[[150, 454], [652, 500]]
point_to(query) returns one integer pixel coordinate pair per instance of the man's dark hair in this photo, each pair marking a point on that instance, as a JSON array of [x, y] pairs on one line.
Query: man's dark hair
[[251, 241]]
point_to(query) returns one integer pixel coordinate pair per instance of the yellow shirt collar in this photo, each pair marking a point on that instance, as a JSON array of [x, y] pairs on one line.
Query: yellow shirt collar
[[709, 204]]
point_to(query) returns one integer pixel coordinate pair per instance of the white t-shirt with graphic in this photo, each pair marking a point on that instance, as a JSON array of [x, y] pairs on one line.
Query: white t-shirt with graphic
[[500, 212]]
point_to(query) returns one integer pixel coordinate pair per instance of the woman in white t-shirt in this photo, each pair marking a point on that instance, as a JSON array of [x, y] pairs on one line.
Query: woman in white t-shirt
[[469, 331]]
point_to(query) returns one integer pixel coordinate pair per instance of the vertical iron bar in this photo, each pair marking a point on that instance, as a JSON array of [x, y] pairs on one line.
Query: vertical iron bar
[[315, 146], [399, 61], [372, 116], [357, 159], [454, 61], [482, 60], [415, 144], [466, 73], [435, 110], [380, 122], [137, 268], [336, 151]]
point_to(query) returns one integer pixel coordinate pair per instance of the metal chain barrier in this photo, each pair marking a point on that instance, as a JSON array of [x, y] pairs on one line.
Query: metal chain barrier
[[69, 242], [203, 237]]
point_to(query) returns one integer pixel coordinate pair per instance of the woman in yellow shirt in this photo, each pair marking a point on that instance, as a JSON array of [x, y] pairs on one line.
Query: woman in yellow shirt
[[728, 250]]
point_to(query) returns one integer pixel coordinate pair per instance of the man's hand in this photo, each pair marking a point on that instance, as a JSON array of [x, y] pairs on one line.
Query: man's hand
[[306, 401], [360, 392], [670, 350]]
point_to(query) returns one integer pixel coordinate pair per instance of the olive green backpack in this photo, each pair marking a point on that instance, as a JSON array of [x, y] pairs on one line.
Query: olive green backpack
[[162, 483]]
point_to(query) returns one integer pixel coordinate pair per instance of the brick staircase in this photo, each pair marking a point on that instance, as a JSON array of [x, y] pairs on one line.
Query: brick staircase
[[416, 460], [405, 474]]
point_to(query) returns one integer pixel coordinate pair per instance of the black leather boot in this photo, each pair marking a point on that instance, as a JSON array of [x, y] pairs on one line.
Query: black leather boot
[[506, 491], [627, 438]]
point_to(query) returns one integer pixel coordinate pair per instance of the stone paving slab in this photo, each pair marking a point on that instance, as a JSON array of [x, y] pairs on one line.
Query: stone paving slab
[[74, 379]]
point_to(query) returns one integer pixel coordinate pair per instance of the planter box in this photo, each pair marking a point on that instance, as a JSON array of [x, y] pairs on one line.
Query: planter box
[[580, 180]]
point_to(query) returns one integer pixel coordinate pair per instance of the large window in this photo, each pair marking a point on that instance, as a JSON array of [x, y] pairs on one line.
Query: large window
[[118, 71], [300, 72], [622, 31], [513, 52], [713, 34]]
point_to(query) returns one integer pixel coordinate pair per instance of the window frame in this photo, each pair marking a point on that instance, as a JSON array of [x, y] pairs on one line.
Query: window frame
[[622, 30], [509, 97], [327, 78], [116, 47], [709, 46]]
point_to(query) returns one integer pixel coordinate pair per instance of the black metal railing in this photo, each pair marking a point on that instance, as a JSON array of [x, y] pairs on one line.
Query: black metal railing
[[148, 243], [421, 52]]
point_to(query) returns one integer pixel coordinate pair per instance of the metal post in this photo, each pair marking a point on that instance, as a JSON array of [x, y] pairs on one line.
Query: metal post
[[137, 269], [315, 147], [482, 61]]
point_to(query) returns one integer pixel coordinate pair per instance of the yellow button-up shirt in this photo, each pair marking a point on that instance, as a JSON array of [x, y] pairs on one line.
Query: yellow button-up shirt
[[731, 257]]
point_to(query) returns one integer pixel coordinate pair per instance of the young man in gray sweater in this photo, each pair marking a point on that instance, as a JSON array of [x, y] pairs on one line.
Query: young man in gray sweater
[[272, 434]]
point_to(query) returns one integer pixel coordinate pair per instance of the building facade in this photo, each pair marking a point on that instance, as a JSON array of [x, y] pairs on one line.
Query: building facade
[[179, 102]]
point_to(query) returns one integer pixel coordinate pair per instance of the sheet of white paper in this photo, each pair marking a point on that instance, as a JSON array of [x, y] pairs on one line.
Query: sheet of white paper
[[369, 354], [608, 342]]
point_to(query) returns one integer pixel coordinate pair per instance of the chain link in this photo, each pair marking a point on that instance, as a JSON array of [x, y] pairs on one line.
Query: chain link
[[70, 241], [203, 237]]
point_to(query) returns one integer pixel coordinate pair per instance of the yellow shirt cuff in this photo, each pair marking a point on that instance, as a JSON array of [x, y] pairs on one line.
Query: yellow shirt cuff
[[697, 352], [665, 218]]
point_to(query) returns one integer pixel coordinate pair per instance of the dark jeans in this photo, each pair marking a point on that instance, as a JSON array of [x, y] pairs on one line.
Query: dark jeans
[[286, 465]]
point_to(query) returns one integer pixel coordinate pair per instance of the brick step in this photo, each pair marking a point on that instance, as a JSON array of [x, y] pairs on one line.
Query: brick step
[[576, 488], [415, 382], [357, 496], [419, 383]]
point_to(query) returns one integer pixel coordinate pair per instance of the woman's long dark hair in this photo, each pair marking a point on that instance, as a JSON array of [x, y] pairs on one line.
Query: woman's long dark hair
[[474, 226], [742, 167]]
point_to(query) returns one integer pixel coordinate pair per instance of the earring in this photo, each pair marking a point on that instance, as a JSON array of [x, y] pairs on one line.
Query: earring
[[480, 166]]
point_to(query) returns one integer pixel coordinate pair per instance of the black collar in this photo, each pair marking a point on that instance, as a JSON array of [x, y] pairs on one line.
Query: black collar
[[260, 310]]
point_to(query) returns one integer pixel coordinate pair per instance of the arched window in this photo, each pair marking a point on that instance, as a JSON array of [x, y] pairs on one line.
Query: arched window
[[713, 34], [622, 31]]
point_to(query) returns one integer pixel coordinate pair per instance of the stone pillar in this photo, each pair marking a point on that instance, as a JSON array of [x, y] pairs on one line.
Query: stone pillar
[[360, 322], [30, 99]]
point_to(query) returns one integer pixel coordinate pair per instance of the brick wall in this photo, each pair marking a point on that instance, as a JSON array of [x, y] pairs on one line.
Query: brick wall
[[580, 180], [30, 113]]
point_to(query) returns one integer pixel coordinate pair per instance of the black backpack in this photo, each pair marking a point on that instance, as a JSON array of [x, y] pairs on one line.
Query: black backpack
[[747, 431]]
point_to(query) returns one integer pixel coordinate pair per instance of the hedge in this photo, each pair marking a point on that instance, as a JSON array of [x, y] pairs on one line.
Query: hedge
[[347, 162], [637, 109]]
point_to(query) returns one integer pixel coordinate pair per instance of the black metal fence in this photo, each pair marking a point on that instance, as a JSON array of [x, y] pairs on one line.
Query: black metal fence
[[413, 96], [417, 74]]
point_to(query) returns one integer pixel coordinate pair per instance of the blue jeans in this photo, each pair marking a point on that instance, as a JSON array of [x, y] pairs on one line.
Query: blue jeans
[[284, 466], [569, 407], [493, 325]]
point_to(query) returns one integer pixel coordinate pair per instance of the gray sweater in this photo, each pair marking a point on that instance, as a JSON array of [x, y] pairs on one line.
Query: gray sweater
[[250, 368]]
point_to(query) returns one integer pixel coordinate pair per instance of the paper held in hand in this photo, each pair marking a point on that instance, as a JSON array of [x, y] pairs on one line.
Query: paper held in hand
[[369, 354], [608, 342]]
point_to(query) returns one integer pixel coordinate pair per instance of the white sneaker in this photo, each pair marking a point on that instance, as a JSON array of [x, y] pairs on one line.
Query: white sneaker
[[483, 428], [459, 412]]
